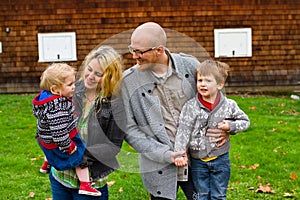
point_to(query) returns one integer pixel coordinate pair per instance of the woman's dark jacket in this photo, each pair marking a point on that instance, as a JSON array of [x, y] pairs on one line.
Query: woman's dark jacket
[[104, 135]]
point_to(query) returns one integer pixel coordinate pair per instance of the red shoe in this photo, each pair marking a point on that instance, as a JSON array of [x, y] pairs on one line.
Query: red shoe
[[45, 168], [87, 189]]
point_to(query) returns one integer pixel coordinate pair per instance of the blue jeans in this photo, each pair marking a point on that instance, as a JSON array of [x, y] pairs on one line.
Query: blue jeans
[[64, 161], [211, 178], [60, 192]]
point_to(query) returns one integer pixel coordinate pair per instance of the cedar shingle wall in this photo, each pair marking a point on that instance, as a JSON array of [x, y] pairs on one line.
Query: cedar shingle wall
[[275, 34]]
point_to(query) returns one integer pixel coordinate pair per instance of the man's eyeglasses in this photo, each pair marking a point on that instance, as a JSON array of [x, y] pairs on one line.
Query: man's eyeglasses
[[139, 52]]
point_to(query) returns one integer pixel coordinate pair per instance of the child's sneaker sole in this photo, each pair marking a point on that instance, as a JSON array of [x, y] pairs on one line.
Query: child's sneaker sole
[[89, 193], [44, 171]]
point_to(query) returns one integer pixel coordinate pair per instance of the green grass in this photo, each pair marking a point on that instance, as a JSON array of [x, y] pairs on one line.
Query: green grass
[[267, 153]]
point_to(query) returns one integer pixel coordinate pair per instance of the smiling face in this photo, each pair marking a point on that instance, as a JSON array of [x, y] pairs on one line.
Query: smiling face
[[147, 46], [147, 60], [208, 87], [93, 75]]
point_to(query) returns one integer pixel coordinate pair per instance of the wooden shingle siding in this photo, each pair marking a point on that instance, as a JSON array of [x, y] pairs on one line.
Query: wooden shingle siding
[[275, 25]]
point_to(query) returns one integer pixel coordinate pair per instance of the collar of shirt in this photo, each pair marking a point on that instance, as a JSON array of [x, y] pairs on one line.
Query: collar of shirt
[[167, 74]]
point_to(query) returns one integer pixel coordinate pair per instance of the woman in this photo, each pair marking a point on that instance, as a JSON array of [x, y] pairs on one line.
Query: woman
[[95, 96]]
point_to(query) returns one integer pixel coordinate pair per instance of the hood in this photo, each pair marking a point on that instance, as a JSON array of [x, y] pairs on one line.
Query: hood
[[41, 102]]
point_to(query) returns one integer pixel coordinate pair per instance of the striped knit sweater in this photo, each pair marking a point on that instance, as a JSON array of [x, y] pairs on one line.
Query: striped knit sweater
[[55, 120]]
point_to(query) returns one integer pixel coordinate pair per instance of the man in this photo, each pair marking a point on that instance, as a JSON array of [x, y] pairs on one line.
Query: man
[[154, 91]]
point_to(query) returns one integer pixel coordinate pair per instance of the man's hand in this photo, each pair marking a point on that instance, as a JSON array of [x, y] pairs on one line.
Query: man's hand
[[220, 136]]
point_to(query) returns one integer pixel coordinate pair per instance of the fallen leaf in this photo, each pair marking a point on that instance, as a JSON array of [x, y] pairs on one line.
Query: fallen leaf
[[110, 183], [264, 189], [253, 108], [31, 195], [287, 195], [259, 177], [230, 188], [254, 166], [48, 199], [251, 188], [121, 190], [242, 167], [276, 149], [293, 176], [273, 129]]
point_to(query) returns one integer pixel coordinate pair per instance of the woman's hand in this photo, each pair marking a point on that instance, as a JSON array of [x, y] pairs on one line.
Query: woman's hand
[[178, 154], [181, 161]]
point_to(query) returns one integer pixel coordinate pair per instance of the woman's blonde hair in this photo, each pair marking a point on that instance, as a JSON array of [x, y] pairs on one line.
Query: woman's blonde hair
[[55, 74], [111, 63], [218, 69]]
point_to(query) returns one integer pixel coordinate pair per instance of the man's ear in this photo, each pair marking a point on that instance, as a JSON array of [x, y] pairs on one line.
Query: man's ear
[[160, 50], [54, 89]]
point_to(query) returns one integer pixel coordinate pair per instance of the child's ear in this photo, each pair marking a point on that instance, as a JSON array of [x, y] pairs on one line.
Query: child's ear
[[220, 86], [54, 89]]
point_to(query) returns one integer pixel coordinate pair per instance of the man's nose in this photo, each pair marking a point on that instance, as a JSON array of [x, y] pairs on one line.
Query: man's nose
[[135, 55]]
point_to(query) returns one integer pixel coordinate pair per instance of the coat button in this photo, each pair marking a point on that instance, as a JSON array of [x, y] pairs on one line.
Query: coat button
[[160, 172], [143, 94], [187, 75], [159, 192]]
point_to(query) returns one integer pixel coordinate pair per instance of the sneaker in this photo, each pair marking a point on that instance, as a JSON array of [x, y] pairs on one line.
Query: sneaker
[[45, 168], [86, 188]]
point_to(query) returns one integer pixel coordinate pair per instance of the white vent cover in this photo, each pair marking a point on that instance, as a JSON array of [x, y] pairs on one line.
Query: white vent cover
[[57, 47], [235, 42]]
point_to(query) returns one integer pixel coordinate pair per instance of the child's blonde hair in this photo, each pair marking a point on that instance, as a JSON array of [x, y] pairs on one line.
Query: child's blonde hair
[[55, 74], [218, 69]]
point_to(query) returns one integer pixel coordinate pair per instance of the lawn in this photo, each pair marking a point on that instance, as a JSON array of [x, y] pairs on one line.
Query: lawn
[[265, 160]]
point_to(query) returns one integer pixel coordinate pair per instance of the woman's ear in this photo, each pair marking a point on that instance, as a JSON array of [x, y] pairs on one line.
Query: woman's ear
[[54, 89]]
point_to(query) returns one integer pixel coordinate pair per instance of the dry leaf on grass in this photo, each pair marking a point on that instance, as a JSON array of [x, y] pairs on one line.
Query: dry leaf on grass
[[264, 189], [251, 188], [293, 176], [31, 195], [254, 166], [288, 195], [110, 183]]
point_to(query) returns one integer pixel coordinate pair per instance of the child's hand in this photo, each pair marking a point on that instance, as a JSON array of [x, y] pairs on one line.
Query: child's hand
[[181, 161], [72, 149], [224, 125]]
